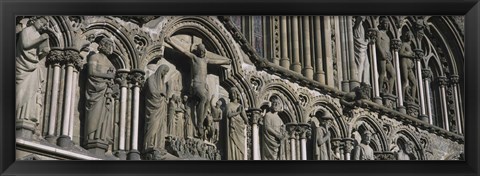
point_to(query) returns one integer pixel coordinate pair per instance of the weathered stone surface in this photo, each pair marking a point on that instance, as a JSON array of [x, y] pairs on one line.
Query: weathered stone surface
[[203, 74]]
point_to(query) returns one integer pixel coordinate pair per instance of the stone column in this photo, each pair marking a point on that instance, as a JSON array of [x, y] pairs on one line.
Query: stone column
[[71, 57], [137, 79], [354, 80], [292, 130], [78, 65], [122, 80], [336, 147], [427, 77], [443, 81], [296, 66], [55, 59], [255, 116], [342, 53], [349, 142], [304, 134], [285, 61], [454, 80], [372, 36], [319, 73], [328, 51], [396, 44], [421, 99], [307, 57]]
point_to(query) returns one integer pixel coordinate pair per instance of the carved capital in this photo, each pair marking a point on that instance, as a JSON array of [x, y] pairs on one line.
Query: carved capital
[[255, 115], [349, 142], [427, 74], [121, 77], [442, 80], [291, 130], [395, 44], [419, 54], [454, 79], [56, 56], [336, 142], [137, 77], [304, 130], [372, 35], [72, 57]]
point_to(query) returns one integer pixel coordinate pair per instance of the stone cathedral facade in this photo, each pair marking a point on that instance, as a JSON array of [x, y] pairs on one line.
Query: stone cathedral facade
[[240, 88]]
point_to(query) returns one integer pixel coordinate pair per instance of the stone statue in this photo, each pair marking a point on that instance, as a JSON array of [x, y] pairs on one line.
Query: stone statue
[[179, 117], [217, 114], [384, 57], [172, 115], [199, 77], [29, 74], [156, 109], [99, 88], [363, 151], [322, 139], [355, 98], [361, 45], [189, 125], [238, 120], [273, 131], [407, 64], [402, 153]]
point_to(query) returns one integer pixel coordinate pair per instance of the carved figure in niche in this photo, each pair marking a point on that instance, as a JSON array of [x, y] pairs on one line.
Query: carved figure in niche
[[216, 117], [361, 45], [384, 57], [363, 151], [179, 117], [32, 47], [407, 64], [273, 132], [238, 120], [189, 126], [199, 77], [171, 117], [156, 109], [402, 153], [322, 139], [99, 90]]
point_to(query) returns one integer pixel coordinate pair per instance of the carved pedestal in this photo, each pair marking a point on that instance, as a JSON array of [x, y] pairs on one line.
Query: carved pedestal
[[389, 101], [97, 147], [24, 128], [412, 109]]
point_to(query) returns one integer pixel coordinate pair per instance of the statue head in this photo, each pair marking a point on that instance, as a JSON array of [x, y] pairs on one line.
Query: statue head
[[163, 69], [366, 137], [276, 103], [324, 117], [105, 46], [234, 94], [185, 98], [200, 51], [408, 36], [383, 23], [39, 23]]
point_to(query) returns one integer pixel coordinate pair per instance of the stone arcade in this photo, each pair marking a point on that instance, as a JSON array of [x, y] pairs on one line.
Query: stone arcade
[[240, 88]]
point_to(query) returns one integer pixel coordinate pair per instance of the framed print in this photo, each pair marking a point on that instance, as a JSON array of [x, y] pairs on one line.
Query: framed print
[[276, 88]]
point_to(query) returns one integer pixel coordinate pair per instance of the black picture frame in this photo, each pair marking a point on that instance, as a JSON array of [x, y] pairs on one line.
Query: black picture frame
[[9, 9]]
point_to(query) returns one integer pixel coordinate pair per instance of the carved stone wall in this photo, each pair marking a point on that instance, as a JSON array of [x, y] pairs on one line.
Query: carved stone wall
[[196, 88]]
